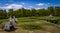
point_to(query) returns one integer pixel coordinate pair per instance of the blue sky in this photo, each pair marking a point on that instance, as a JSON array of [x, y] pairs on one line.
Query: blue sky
[[16, 4]]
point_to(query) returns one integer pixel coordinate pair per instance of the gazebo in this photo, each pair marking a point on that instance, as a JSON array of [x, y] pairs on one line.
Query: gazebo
[[50, 16]]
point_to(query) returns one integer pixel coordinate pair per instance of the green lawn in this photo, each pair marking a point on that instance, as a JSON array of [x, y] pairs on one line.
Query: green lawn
[[35, 24]]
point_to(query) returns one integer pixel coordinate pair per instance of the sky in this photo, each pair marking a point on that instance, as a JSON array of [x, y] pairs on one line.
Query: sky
[[28, 4]]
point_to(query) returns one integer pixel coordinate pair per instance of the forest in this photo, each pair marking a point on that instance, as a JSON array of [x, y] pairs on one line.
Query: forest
[[22, 12]]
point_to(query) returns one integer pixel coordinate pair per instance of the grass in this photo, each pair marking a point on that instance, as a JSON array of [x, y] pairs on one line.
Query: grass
[[35, 24], [32, 25]]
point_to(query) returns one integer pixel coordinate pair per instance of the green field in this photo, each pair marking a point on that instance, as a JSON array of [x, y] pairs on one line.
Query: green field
[[33, 25]]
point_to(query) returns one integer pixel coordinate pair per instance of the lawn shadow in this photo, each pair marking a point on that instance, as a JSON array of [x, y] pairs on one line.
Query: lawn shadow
[[11, 29]]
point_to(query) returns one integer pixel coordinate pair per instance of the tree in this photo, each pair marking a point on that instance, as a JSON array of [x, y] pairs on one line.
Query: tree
[[33, 12], [51, 9], [3, 14]]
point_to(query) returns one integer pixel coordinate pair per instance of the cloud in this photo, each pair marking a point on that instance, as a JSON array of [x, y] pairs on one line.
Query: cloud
[[38, 8], [14, 6], [29, 7], [40, 4]]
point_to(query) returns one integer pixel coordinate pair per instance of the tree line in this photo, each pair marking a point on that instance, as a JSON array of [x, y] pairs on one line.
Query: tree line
[[22, 12]]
